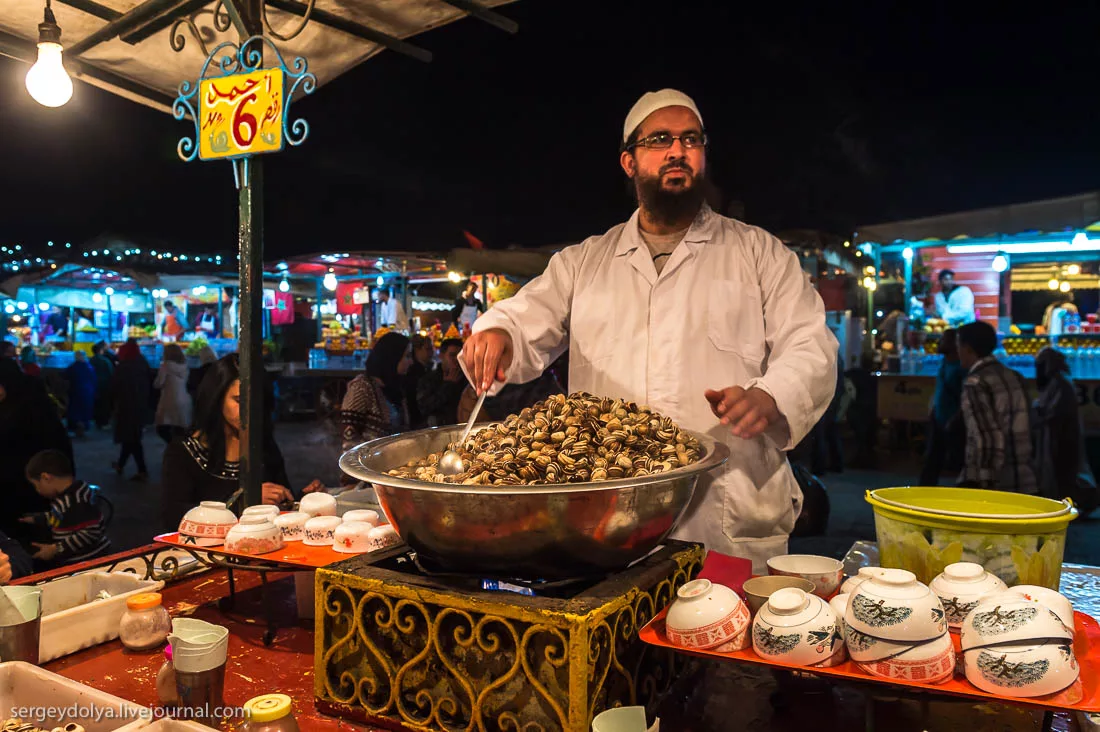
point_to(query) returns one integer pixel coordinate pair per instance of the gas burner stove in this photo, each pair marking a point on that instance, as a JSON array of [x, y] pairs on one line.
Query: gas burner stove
[[410, 563]]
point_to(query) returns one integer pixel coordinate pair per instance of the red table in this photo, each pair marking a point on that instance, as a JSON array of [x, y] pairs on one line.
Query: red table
[[251, 670]]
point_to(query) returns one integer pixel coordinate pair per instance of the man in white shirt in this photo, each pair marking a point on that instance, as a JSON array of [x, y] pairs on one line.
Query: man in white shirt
[[701, 317], [954, 303], [392, 312]]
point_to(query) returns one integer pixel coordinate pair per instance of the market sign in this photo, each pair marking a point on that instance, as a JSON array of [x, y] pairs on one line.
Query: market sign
[[240, 104], [241, 114]]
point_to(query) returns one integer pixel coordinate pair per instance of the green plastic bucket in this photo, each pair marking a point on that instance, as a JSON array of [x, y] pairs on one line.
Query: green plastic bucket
[[1019, 538]]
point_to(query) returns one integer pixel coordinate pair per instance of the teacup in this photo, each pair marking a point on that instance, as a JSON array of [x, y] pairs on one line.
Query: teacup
[[759, 589], [931, 662], [824, 572], [796, 628], [707, 615], [894, 606], [1022, 669], [1009, 617], [318, 504], [961, 586]]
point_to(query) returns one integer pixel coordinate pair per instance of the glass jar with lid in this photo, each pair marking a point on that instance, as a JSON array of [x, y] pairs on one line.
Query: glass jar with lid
[[270, 713], [145, 624]]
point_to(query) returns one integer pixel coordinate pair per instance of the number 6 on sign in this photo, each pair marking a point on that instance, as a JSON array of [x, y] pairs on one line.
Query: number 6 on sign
[[241, 114]]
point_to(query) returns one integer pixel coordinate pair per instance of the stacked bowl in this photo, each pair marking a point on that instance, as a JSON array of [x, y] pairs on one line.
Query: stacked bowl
[[961, 587], [1014, 646], [896, 628]]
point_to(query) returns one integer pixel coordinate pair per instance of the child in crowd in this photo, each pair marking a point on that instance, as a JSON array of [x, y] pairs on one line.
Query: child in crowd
[[76, 523]]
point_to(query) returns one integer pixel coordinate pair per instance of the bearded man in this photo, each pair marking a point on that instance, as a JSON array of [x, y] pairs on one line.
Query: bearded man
[[701, 317]]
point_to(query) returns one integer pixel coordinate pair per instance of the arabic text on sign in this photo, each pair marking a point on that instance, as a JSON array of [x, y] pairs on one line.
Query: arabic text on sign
[[241, 114]]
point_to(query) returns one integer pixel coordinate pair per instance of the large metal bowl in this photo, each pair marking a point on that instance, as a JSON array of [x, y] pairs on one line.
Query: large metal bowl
[[526, 532]]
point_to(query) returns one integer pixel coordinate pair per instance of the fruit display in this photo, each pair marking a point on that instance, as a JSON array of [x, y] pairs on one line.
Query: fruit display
[[139, 332], [935, 325]]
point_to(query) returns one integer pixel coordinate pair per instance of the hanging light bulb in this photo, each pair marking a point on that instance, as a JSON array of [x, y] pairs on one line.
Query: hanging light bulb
[[284, 286], [1064, 287], [109, 290], [329, 281], [1000, 263], [96, 297], [1073, 270], [47, 81], [1053, 284]]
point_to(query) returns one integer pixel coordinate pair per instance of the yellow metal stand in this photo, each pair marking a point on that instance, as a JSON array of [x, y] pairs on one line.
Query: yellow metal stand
[[408, 652]]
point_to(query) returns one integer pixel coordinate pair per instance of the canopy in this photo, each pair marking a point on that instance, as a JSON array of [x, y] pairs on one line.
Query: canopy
[[1049, 216], [126, 46]]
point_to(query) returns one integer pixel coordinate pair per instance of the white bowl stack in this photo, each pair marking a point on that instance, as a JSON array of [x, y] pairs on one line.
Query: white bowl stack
[[896, 628], [1014, 646], [961, 586]]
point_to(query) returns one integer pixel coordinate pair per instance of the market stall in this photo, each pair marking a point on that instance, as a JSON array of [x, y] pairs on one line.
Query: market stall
[[1033, 271], [110, 290]]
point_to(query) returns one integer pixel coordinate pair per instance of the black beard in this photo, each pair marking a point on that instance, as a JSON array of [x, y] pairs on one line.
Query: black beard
[[665, 207]]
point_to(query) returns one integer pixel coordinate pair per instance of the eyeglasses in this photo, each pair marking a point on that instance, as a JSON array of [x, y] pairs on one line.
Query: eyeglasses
[[664, 140]]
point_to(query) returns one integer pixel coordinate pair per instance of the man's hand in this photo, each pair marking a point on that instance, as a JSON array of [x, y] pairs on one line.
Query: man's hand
[[315, 486], [5, 569], [749, 413], [488, 355], [45, 552], [274, 494]]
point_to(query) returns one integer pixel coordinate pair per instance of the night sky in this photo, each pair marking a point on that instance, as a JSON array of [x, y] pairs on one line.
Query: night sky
[[820, 115]]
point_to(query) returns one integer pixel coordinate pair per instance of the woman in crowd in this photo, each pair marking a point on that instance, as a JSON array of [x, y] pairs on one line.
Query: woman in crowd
[[104, 369], [29, 423], [173, 416], [207, 358], [374, 405], [81, 377], [29, 360], [130, 394], [205, 466], [422, 353], [1062, 465]]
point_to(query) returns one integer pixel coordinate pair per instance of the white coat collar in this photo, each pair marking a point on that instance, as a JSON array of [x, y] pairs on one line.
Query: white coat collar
[[700, 231]]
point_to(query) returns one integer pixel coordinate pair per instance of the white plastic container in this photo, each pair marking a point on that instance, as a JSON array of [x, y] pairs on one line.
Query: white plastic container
[[23, 685], [72, 617]]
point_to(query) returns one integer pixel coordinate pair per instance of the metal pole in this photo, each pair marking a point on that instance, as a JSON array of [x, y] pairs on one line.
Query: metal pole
[[250, 312], [320, 330], [250, 235], [221, 312]]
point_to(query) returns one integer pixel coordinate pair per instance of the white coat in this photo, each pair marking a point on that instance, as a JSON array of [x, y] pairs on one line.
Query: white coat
[[731, 307], [174, 407]]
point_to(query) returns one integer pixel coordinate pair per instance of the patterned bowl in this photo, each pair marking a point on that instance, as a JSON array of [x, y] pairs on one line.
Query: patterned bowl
[[207, 524], [1023, 669], [893, 606], [824, 572], [961, 586], [796, 628], [932, 662], [1056, 601], [706, 615], [1009, 617]]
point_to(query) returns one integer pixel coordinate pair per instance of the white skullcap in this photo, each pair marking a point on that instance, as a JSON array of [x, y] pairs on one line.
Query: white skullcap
[[651, 102]]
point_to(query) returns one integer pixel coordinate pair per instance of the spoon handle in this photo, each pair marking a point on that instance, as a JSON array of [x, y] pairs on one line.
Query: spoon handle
[[473, 417]]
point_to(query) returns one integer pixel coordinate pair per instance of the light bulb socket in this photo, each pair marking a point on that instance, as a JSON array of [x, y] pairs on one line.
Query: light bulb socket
[[48, 30]]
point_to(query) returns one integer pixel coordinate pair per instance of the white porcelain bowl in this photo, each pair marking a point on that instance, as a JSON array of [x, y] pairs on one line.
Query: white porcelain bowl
[[961, 586], [1022, 670], [839, 604], [318, 504], [263, 510], [707, 615], [865, 648], [894, 606], [1056, 601], [352, 537], [383, 536], [207, 524], [865, 573], [824, 572], [362, 514], [254, 535], [759, 589], [293, 525], [321, 530], [796, 628], [1009, 617], [931, 662]]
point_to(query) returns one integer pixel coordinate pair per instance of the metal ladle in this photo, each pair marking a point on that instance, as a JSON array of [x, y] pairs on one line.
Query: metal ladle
[[451, 462]]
